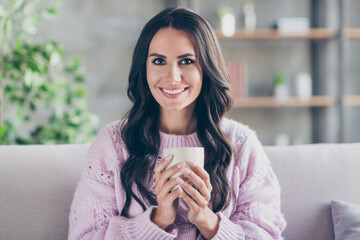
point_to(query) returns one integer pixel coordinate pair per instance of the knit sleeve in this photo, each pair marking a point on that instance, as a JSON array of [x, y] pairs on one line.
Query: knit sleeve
[[257, 214], [98, 200]]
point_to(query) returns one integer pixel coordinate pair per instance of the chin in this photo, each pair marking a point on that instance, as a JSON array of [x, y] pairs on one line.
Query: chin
[[172, 108]]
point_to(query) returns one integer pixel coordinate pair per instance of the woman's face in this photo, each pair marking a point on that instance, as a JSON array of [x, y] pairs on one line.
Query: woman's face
[[173, 71]]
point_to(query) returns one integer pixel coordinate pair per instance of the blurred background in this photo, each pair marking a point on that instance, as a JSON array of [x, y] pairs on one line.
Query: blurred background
[[294, 66]]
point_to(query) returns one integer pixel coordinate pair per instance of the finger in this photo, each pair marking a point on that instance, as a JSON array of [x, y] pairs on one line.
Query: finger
[[199, 184], [163, 163], [161, 166], [174, 171], [194, 194], [169, 185], [189, 201], [202, 173], [175, 194]]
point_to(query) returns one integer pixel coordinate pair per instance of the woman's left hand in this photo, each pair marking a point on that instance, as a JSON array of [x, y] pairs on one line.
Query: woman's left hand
[[197, 197]]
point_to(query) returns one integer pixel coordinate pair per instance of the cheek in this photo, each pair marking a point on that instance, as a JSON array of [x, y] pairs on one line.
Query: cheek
[[197, 80], [199, 87], [153, 75], [194, 73], [150, 77]]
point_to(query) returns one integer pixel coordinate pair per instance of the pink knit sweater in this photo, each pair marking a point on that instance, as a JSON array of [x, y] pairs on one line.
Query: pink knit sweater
[[253, 212]]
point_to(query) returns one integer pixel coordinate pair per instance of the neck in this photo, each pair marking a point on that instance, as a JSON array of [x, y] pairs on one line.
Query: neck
[[178, 122]]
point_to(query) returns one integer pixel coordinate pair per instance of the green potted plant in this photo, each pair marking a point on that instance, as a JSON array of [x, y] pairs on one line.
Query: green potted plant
[[39, 81], [280, 88]]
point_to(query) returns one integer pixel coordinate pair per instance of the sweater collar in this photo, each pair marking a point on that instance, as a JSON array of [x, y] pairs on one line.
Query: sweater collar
[[173, 140]]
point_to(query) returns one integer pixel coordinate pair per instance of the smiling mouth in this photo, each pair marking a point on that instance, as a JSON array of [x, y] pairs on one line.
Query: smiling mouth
[[174, 92]]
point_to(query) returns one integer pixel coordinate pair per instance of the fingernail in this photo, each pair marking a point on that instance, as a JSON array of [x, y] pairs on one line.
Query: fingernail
[[186, 171], [168, 158], [180, 165], [180, 190], [179, 180], [192, 164]]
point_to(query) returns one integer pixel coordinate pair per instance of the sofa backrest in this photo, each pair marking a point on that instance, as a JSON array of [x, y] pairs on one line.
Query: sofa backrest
[[310, 177], [37, 185]]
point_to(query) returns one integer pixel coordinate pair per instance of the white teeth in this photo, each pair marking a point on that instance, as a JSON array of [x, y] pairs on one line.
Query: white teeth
[[173, 91]]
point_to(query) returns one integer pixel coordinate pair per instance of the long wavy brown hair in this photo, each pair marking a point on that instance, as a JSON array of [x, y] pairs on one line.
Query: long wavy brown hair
[[140, 132]]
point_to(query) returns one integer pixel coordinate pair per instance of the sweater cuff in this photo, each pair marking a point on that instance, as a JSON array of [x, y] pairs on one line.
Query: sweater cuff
[[228, 229], [141, 227]]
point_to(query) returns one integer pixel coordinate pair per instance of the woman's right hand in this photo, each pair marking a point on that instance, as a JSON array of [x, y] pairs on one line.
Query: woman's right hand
[[165, 213]]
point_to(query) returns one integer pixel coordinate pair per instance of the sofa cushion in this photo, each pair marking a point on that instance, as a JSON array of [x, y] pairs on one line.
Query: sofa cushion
[[37, 187], [310, 177], [346, 219]]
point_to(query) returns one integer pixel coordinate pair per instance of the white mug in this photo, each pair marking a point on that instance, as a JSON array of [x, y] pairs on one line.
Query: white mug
[[186, 154]]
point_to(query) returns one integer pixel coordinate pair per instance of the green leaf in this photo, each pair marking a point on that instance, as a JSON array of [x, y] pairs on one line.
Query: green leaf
[[18, 45], [26, 118], [8, 90], [51, 46], [74, 64], [76, 59], [8, 25], [75, 120], [52, 11], [28, 78], [26, 90], [69, 99], [71, 69], [36, 19], [37, 131], [44, 87], [80, 92], [55, 58], [29, 26], [32, 106], [2, 131], [278, 79], [22, 141], [79, 78], [19, 9], [17, 4], [34, 66]]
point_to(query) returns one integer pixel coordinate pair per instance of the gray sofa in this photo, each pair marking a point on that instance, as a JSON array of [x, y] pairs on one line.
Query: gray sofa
[[37, 185]]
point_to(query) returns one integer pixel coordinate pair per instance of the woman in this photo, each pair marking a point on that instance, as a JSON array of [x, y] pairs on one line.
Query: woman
[[180, 92]]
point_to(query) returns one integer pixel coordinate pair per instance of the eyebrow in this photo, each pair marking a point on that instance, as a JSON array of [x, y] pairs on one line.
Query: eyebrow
[[181, 56]]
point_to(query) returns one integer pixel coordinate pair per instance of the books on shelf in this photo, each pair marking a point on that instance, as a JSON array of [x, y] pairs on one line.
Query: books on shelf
[[293, 26], [238, 72]]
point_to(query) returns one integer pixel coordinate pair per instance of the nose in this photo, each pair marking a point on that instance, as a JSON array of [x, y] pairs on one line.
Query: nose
[[173, 73]]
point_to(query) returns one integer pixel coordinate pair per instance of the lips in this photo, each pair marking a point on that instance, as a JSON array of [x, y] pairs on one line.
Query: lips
[[173, 93]]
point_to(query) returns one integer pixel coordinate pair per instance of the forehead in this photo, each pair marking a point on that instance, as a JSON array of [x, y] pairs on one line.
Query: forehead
[[172, 41]]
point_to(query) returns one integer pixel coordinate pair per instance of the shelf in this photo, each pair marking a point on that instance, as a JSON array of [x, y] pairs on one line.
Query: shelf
[[315, 33], [352, 100], [316, 101], [262, 102], [352, 33]]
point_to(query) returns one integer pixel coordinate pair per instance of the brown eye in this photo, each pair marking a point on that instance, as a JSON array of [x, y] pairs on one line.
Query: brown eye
[[186, 61], [158, 61]]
